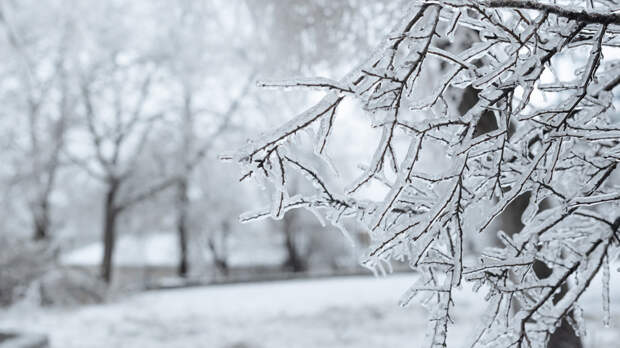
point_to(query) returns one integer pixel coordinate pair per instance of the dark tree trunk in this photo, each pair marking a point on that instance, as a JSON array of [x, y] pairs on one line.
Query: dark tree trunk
[[41, 220], [221, 264], [294, 261], [220, 251], [182, 226], [42, 208], [183, 184], [110, 214]]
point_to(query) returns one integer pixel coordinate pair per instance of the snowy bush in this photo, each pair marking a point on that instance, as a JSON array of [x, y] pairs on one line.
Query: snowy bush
[[69, 287], [20, 265], [546, 74]]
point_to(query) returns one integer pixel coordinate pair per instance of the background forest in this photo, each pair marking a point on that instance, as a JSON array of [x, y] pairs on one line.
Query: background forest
[[114, 114]]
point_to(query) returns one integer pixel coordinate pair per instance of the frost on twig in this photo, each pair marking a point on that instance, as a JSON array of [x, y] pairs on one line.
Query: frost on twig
[[556, 139]]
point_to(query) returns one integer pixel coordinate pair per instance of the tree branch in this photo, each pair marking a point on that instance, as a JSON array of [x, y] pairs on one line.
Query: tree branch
[[591, 17]]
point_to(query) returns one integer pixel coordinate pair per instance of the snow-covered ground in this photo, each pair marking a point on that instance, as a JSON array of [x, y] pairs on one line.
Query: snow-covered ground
[[339, 312]]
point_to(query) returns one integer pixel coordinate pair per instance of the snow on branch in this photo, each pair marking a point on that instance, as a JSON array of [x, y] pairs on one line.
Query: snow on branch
[[529, 131], [593, 17]]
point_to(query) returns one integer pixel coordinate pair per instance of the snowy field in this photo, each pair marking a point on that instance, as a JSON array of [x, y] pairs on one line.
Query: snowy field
[[339, 312]]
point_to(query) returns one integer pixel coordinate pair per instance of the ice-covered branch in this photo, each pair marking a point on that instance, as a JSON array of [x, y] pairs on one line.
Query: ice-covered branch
[[584, 16], [509, 128]]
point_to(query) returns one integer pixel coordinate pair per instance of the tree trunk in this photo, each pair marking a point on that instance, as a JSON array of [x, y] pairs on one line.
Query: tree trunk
[[182, 209], [294, 261], [47, 174], [110, 215], [221, 265], [41, 219], [219, 251], [42, 208], [41, 211], [182, 187]]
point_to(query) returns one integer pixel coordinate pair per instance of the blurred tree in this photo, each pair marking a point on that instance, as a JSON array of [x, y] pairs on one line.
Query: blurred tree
[[117, 92], [41, 89], [133, 96], [199, 53]]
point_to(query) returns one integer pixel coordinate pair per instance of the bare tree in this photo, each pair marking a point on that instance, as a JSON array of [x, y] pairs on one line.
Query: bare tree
[[46, 116], [118, 141], [555, 139], [45, 169], [195, 49]]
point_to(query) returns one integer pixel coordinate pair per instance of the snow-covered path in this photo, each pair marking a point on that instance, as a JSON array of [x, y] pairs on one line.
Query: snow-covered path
[[339, 312], [348, 312]]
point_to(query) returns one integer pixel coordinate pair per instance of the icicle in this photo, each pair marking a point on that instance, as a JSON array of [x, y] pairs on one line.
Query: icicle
[[606, 299], [457, 273], [577, 322], [530, 211]]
